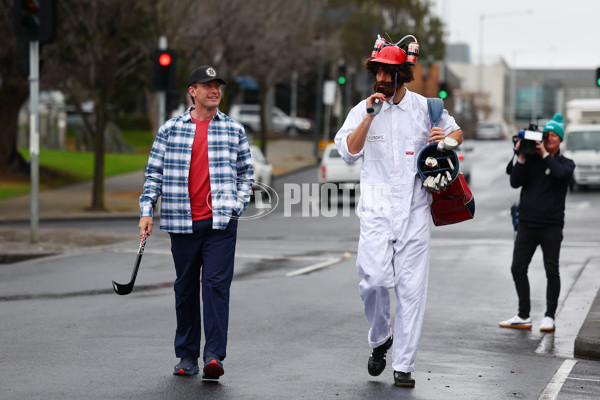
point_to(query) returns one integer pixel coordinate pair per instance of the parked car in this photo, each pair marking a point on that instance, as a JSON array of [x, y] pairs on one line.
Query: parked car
[[582, 145], [464, 161], [263, 170], [491, 130], [334, 169], [249, 116]]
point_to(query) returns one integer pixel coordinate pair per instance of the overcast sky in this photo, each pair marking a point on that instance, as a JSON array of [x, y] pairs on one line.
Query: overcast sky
[[554, 34]]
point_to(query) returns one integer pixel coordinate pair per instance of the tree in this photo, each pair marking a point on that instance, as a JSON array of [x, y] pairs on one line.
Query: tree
[[14, 90], [392, 19], [265, 39], [98, 42], [101, 41], [281, 42]]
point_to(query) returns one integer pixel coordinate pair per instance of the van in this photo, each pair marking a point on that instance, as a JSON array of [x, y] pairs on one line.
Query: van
[[582, 145]]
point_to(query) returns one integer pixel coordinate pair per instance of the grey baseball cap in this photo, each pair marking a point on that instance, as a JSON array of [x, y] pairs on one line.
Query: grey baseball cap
[[203, 74]]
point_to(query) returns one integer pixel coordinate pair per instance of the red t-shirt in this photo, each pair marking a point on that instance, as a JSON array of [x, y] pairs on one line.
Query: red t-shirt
[[199, 178]]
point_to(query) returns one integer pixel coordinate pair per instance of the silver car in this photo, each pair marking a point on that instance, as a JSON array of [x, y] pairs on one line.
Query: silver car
[[249, 116]]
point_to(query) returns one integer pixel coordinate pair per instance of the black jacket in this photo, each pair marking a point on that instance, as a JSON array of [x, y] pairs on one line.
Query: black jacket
[[544, 185]]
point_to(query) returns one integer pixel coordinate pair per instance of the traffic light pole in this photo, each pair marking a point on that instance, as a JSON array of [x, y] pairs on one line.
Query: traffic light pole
[[162, 105], [34, 134], [162, 94]]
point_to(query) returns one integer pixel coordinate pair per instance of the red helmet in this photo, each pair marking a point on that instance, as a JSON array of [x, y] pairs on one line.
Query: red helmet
[[390, 55]]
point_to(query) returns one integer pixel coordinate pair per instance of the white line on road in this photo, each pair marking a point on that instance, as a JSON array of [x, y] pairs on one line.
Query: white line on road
[[553, 388], [583, 379], [315, 267], [304, 270]]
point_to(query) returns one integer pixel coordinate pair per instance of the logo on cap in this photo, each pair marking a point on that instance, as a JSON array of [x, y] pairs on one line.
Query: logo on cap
[[211, 72]]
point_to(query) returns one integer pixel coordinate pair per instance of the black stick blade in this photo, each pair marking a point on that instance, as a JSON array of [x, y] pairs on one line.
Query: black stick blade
[[123, 289]]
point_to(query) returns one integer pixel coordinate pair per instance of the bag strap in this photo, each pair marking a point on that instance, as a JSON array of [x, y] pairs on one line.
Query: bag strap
[[435, 106]]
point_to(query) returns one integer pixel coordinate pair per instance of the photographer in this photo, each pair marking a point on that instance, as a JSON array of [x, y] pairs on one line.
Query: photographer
[[543, 176]]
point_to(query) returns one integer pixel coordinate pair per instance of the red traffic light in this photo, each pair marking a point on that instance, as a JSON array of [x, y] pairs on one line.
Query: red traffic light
[[29, 5], [35, 20], [30, 18], [164, 59]]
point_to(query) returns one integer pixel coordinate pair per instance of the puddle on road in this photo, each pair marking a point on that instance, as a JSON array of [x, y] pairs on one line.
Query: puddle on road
[[95, 292], [260, 266]]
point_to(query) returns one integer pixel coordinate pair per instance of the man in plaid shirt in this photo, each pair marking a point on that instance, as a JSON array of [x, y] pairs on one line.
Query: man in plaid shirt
[[200, 164]]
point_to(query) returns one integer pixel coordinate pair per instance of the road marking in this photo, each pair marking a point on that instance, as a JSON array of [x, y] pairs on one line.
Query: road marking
[[315, 267], [327, 261], [582, 205], [279, 257], [583, 379], [555, 385]]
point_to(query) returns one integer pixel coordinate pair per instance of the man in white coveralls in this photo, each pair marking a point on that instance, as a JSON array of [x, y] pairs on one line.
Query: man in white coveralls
[[388, 130]]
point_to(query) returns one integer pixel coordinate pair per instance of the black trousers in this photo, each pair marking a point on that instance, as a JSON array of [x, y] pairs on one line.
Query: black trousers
[[549, 239]]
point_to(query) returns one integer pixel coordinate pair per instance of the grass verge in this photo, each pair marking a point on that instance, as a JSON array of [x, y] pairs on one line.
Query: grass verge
[[58, 168]]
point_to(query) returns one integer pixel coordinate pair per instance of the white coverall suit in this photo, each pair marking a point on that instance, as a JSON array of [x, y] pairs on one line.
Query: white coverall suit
[[395, 220]]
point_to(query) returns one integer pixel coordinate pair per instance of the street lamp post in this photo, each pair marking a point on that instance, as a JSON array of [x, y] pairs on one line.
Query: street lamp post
[[482, 18], [513, 78]]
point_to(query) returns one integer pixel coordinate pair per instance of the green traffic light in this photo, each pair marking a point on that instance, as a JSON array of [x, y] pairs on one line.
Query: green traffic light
[[342, 80], [598, 82], [443, 94]]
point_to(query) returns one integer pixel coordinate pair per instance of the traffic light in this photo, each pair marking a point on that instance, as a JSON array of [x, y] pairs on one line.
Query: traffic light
[[443, 91], [164, 69], [598, 77], [341, 76], [35, 20]]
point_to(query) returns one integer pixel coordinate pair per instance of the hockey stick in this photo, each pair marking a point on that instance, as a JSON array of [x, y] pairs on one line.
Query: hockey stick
[[123, 289]]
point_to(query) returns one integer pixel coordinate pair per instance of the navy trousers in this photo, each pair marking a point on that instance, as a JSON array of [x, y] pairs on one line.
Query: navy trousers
[[204, 257]]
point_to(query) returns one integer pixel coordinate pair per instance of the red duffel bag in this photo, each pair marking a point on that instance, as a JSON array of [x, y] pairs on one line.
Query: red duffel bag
[[453, 205]]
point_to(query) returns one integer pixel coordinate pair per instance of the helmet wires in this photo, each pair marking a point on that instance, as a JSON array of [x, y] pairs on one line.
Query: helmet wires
[[409, 52]]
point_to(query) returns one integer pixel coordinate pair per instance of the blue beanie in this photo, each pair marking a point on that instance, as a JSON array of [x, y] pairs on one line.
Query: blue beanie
[[556, 125]]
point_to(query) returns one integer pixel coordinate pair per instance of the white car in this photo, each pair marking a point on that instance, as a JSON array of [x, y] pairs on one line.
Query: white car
[[263, 170], [249, 116], [464, 161], [582, 145], [491, 131], [334, 169]]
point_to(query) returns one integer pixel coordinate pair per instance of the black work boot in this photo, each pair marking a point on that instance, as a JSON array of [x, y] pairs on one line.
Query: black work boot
[[377, 359], [403, 379]]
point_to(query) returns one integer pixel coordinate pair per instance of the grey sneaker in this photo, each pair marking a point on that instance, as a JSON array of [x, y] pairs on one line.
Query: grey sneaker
[[403, 379], [377, 360], [187, 366], [213, 367]]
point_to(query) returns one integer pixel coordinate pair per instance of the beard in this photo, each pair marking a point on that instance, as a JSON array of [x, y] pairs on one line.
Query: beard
[[386, 88]]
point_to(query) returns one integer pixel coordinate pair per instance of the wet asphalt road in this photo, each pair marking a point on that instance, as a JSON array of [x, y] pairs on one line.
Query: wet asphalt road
[[66, 335]]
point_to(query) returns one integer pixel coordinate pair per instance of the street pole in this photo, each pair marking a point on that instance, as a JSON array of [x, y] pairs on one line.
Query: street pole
[[34, 134], [480, 67], [513, 80], [480, 71], [293, 102], [162, 95], [513, 95]]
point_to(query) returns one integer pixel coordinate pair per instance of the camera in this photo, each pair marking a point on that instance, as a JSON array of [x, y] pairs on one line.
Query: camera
[[528, 139]]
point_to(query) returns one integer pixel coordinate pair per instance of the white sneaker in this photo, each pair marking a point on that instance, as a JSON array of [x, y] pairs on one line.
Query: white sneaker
[[516, 322], [547, 325]]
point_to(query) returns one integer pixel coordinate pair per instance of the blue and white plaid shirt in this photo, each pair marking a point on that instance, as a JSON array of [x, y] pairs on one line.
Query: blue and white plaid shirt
[[230, 169]]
